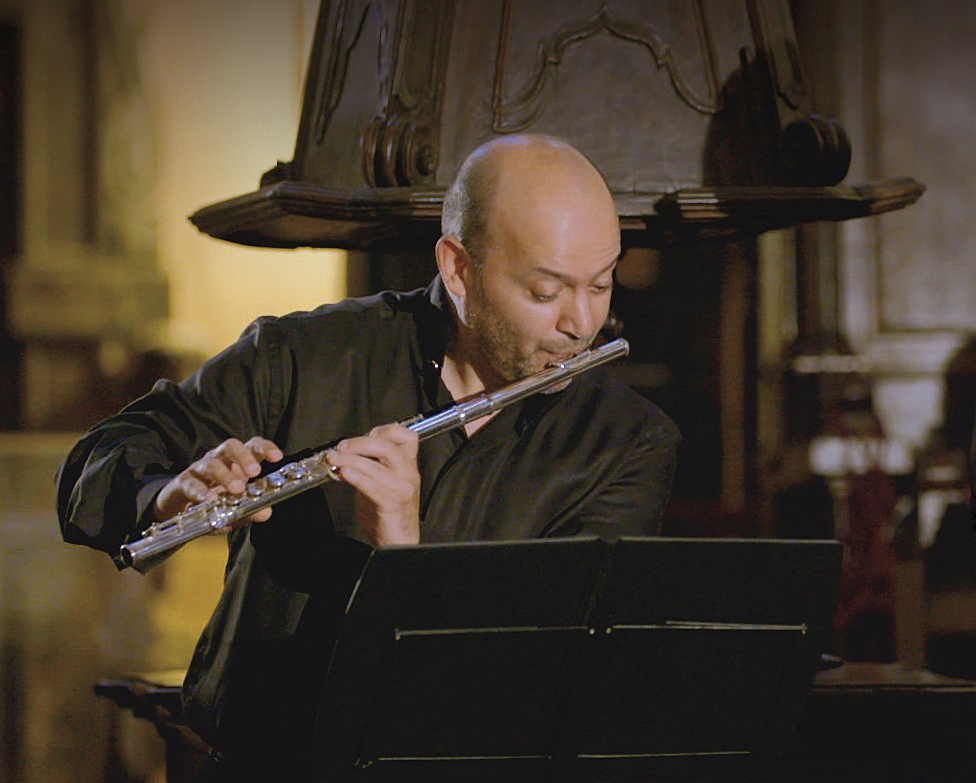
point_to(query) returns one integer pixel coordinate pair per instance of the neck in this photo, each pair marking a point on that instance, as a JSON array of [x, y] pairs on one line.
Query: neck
[[466, 371]]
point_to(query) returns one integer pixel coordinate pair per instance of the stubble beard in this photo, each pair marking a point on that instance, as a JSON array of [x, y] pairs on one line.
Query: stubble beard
[[501, 344], [497, 341]]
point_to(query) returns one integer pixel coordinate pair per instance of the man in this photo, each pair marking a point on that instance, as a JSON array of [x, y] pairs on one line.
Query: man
[[530, 241]]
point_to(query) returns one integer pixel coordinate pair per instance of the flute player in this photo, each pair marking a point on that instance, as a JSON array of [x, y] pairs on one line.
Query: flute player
[[530, 242]]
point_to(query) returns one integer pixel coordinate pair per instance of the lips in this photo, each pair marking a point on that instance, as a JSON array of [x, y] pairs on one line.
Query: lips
[[560, 357], [564, 354]]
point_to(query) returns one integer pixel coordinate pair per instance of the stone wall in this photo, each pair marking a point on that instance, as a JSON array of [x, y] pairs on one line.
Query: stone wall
[[68, 618]]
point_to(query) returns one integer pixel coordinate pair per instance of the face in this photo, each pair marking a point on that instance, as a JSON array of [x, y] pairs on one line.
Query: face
[[542, 290]]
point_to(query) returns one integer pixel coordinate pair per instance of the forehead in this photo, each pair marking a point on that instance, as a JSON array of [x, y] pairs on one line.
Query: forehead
[[569, 237]]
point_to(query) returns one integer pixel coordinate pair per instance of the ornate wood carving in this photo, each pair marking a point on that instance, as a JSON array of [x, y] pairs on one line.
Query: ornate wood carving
[[343, 37], [300, 214], [811, 150], [518, 112], [695, 111], [400, 144], [285, 214], [772, 29]]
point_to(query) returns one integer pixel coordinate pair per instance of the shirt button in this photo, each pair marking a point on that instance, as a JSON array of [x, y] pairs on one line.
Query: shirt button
[[435, 364]]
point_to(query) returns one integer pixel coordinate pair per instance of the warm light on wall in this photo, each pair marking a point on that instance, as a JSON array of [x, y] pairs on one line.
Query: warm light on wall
[[224, 94]]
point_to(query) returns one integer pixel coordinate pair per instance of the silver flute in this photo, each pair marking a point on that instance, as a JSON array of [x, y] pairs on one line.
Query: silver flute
[[295, 477]]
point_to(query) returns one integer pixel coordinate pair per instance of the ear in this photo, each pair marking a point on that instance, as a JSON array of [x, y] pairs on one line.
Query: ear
[[454, 264]]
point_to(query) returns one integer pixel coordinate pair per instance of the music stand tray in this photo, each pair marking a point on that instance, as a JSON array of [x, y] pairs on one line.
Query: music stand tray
[[575, 660]]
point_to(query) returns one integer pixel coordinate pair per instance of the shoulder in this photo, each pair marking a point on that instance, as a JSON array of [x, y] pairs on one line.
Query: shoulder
[[376, 309], [350, 321]]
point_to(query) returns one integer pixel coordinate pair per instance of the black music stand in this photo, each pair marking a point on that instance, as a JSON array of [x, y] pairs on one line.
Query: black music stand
[[575, 660]]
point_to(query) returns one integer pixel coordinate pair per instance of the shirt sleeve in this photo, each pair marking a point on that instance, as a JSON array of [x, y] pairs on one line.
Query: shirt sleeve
[[632, 500], [109, 480]]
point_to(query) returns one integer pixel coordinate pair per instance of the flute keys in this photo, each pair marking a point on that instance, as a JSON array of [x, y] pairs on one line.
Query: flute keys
[[295, 472], [255, 489], [277, 480]]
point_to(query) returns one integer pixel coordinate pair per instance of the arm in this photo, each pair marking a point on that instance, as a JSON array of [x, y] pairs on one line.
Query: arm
[[108, 484]]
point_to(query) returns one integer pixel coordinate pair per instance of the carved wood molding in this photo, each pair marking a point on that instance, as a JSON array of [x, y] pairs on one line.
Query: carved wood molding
[[303, 214], [519, 112], [295, 214], [756, 129], [772, 29], [412, 37], [345, 35], [400, 145], [698, 212]]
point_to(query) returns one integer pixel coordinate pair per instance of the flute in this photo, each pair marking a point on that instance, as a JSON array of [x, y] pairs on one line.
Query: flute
[[295, 477]]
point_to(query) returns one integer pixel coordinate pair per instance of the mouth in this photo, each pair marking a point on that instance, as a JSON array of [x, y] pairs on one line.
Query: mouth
[[565, 353], [560, 358]]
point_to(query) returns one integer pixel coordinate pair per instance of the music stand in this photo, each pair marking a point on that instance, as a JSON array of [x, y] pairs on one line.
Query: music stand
[[575, 660]]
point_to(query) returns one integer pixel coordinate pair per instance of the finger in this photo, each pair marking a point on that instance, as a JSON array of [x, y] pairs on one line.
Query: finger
[[366, 446], [183, 491], [395, 433], [378, 484], [381, 484], [260, 516], [212, 470], [383, 448], [264, 449], [343, 461], [383, 467], [195, 490], [233, 463], [232, 452]]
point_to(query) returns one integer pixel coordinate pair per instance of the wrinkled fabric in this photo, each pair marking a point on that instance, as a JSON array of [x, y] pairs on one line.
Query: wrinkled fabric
[[595, 458]]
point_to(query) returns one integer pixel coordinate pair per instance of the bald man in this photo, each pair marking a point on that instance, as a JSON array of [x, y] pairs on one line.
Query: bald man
[[530, 241]]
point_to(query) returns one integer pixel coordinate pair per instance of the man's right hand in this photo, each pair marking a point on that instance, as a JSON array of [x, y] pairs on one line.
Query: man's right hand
[[225, 468]]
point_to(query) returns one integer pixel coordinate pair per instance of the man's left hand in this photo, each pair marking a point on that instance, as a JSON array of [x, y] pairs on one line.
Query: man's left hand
[[382, 466]]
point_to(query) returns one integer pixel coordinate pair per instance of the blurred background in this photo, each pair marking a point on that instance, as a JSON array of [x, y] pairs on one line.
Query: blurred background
[[824, 375]]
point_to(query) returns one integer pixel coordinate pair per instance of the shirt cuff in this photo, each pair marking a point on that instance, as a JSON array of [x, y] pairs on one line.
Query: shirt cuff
[[145, 500]]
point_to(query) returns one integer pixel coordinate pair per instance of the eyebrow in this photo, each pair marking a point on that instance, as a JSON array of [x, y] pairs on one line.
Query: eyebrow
[[569, 280]]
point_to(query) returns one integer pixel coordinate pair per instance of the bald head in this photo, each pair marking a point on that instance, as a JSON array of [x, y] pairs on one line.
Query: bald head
[[531, 239], [519, 178]]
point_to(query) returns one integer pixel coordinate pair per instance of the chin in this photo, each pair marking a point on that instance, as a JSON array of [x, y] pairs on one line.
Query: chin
[[558, 387]]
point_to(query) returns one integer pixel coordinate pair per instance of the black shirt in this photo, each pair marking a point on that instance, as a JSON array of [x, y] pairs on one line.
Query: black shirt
[[594, 458]]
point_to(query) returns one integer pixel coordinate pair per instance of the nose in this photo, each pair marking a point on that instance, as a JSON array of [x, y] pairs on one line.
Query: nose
[[577, 319]]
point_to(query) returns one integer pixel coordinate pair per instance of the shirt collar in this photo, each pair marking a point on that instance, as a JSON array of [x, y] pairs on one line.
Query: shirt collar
[[435, 330]]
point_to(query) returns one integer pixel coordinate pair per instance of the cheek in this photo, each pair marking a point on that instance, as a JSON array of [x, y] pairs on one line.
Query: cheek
[[535, 323], [600, 310], [519, 316], [524, 320]]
